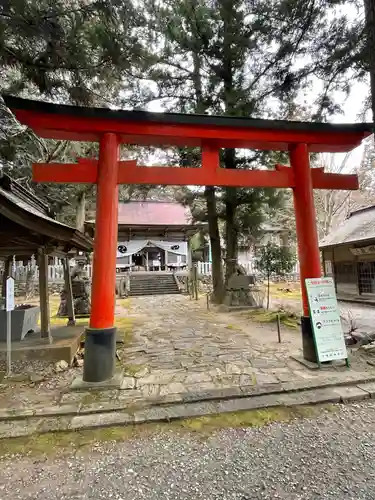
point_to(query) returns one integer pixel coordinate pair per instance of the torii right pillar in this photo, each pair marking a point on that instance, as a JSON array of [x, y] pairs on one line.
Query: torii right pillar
[[307, 237]]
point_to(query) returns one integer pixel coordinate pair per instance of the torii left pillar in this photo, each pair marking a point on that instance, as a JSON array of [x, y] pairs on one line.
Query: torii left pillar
[[307, 238], [100, 344]]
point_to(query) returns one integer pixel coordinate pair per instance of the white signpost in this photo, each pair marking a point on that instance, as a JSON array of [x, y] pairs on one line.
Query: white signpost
[[325, 320], [9, 307]]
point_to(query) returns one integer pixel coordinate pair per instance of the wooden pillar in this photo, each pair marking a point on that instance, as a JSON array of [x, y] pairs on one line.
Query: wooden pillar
[[307, 236], [45, 329], [100, 346], [69, 293]]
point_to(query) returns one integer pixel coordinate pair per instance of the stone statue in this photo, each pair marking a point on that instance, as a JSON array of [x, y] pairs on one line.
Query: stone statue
[[238, 293], [80, 291]]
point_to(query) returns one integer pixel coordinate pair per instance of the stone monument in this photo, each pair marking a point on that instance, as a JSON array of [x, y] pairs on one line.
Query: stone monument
[[80, 291], [238, 293]]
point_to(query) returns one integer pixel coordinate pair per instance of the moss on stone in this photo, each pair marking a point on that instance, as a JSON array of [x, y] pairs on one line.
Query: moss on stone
[[57, 443], [287, 318], [132, 370]]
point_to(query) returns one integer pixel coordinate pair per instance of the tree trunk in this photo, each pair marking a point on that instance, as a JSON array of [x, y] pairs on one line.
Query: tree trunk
[[231, 232], [268, 291], [81, 211], [370, 32], [231, 238], [213, 229]]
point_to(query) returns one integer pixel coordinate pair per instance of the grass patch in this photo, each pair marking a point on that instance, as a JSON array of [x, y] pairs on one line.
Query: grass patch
[[252, 418], [232, 327], [285, 291], [59, 443], [124, 326], [132, 370], [288, 319], [123, 302]]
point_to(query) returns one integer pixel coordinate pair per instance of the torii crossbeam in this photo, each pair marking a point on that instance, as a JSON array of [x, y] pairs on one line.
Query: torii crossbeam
[[211, 133]]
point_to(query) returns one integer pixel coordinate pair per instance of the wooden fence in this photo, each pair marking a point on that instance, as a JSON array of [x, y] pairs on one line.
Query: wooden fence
[[56, 272]]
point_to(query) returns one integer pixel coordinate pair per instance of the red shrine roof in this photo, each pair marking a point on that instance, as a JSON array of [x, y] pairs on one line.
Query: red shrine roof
[[148, 214], [167, 129], [151, 213]]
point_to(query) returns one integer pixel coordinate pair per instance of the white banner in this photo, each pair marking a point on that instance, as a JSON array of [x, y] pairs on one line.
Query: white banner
[[131, 247], [325, 319]]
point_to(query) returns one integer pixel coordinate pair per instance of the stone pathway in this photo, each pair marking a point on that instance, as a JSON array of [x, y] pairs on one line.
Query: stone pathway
[[176, 351], [177, 346]]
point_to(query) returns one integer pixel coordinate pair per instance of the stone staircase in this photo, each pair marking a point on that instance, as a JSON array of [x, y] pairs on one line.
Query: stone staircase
[[153, 284]]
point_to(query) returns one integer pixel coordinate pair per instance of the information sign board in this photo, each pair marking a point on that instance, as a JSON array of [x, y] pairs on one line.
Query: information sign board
[[9, 294], [325, 319]]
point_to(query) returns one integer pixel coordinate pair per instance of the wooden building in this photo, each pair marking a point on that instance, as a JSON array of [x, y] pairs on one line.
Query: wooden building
[[348, 254], [28, 227], [152, 235]]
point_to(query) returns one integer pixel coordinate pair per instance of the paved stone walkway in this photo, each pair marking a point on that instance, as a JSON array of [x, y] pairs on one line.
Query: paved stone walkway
[[176, 351], [177, 346]]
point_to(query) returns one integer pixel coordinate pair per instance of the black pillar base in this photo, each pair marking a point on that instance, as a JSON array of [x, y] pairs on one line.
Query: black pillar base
[[100, 354], [308, 344]]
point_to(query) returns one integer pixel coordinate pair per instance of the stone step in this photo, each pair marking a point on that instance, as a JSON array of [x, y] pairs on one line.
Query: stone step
[[153, 285], [150, 280], [153, 292]]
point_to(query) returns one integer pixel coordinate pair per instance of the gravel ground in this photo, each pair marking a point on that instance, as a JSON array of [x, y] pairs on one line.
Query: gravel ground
[[326, 457]]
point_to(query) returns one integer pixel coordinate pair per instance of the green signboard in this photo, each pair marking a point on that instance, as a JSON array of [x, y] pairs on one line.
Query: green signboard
[[325, 319]]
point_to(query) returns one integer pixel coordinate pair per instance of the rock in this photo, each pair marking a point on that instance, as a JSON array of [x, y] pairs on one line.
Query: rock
[[363, 338], [142, 372], [61, 366], [128, 383], [36, 378], [368, 347], [18, 377]]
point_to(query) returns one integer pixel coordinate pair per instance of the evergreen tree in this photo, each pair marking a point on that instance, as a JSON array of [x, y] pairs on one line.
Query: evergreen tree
[[249, 59], [69, 51]]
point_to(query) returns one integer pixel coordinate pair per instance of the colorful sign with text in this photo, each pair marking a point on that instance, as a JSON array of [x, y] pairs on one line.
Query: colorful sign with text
[[325, 319]]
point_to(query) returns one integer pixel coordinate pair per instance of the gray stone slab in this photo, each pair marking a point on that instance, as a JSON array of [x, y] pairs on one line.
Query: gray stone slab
[[212, 394], [54, 424], [308, 364], [19, 428], [255, 390], [101, 407], [15, 413], [101, 420], [244, 404], [128, 383], [368, 387], [353, 393], [266, 378], [115, 382], [173, 388], [57, 410], [313, 396]]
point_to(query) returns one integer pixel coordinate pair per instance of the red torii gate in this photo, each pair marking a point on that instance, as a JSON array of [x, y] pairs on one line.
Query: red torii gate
[[211, 133]]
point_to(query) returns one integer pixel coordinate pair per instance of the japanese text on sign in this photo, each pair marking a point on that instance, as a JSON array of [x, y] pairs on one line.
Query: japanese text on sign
[[325, 319]]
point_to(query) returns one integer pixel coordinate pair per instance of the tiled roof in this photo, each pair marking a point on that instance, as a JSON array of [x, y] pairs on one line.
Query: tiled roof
[[359, 226], [153, 213]]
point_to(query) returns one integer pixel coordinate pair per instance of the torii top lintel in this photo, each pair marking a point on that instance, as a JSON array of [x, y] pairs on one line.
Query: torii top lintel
[[67, 122]]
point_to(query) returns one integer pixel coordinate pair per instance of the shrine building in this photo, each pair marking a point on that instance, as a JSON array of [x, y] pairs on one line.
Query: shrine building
[[152, 236]]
